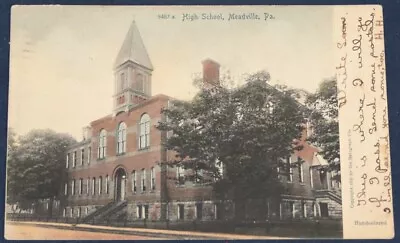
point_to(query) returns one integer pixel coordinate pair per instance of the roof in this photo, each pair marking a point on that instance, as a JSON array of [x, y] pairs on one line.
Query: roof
[[133, 49]]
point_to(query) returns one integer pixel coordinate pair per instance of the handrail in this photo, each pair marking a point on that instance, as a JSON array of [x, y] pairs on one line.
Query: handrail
[[117, 206], [97, 212]]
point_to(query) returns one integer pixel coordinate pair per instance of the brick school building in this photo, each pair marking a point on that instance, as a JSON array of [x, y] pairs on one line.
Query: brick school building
[[114, 172]]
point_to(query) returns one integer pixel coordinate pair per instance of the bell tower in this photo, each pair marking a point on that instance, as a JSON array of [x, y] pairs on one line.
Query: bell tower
[[132, 72]]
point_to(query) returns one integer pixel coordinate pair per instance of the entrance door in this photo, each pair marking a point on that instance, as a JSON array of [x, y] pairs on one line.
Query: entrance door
[[120, 184], [324, 209]]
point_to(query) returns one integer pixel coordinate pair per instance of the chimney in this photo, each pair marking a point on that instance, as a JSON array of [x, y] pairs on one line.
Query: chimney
[[210, 73], [86, 132]]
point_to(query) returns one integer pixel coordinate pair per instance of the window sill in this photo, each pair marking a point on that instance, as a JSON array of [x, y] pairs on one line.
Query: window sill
[[100, 159], [121, 154], [144, 149]]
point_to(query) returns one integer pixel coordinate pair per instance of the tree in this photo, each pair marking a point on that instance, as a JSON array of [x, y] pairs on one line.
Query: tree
[[325, 123], [247, 130], [12, 143], [36, 168]]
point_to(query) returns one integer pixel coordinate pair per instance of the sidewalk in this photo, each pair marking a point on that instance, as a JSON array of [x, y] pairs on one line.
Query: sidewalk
[[171, 234]]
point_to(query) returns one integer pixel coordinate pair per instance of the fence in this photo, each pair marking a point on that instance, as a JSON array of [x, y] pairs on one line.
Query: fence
[[290, 228]]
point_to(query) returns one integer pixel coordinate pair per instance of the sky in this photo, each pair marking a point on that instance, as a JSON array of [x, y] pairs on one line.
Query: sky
[[61, 58]]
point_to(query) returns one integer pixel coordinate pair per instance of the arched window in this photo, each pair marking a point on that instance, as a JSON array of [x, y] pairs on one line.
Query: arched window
[[121, 138], [93, 185], [144, 133], [102, 144], [100, 185], [134, 188]]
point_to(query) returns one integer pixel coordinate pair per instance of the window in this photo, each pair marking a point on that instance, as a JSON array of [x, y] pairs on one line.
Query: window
[[89, 155], [122, 82], [199, 210], [217, 211], [139, 211], [146, 211], [292, 209], [79, 212], [144, 137], [107, 184], [86, 210], [100, 185], [139, 82], [311, 178], [102, 144], [67, 163], [146, 85], [72, 212], [152, 179], [87, 185], [181, 211], [315, 209], [80, 186], [64, 212], [134, 182], [290, 169], [66, 189], [333, 175], [121, 138], [73, 187], [301, 172], [180, 175], [93, 185], [304, 210], [82, 156], [74, 159], [143, 179]]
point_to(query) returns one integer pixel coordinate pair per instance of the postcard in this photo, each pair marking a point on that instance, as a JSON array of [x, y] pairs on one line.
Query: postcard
[[198, 122]]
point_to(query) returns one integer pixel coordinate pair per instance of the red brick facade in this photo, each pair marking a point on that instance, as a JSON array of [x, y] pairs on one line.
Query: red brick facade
[[166, 198]]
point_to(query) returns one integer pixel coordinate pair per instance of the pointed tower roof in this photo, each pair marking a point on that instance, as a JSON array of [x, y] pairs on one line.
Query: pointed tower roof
[[133, 49]]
